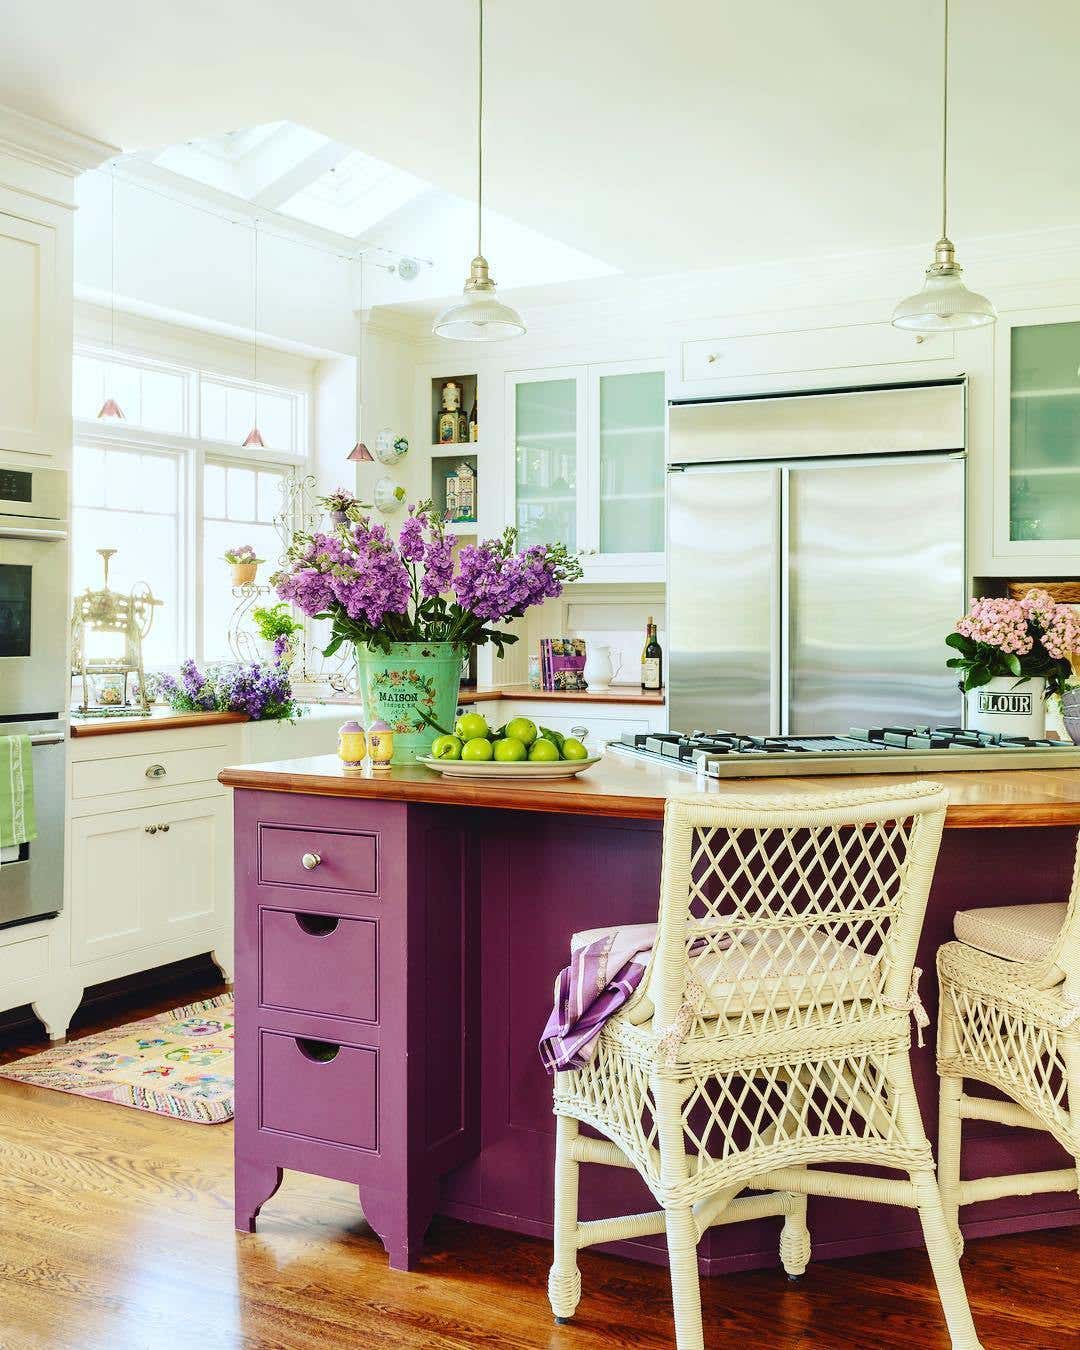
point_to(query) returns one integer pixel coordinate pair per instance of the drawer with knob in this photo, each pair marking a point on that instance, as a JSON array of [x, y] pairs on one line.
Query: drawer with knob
[[319, 1090], [145, 772], [324, 964], [323, 860]]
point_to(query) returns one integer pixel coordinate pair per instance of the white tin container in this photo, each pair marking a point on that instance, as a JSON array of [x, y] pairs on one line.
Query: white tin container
[[1009, 707]]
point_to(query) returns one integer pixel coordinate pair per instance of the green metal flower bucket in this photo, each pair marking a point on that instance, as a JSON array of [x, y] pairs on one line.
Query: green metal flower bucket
[[415, 680]]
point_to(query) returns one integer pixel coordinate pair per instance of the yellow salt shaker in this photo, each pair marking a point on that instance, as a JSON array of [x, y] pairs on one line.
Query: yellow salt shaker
[[380, 745], [352, 746]]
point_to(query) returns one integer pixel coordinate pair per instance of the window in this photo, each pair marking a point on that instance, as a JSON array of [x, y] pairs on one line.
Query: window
[[239, 505], [171, 486]]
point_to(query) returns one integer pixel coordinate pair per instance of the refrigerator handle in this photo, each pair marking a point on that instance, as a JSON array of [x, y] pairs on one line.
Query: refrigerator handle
[[781, 656]]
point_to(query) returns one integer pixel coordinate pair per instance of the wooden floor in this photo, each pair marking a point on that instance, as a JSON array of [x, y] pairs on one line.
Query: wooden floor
[[116, 1234]]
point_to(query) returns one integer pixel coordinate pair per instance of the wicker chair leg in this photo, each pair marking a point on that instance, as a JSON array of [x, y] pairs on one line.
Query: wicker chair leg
[[950, 1127], [795, 1239], [685, 1286], [564, 1279], [945, 1263]]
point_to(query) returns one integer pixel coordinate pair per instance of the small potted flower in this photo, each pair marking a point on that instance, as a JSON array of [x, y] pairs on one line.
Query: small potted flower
[[277, 630], [1013, 654], [341, 506], [244, 564]]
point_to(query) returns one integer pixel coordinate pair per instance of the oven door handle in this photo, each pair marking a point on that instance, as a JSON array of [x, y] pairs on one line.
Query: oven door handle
[[28, 532], [48, 738]]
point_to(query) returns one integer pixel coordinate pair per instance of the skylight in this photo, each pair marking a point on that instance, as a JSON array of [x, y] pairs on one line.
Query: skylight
[[284, 167]]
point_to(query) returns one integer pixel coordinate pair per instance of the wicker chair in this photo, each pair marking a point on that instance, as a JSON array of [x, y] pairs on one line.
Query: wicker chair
[[1010, 1018], [770, 1031]]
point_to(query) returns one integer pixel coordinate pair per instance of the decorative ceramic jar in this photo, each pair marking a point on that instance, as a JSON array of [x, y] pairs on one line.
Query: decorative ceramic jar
[[409, 688], [1070, 712], [1007, 706], [381, 745], [352, 746]]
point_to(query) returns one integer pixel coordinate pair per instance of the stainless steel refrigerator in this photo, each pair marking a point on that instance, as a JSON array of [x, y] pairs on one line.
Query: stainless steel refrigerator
[[815, 559]]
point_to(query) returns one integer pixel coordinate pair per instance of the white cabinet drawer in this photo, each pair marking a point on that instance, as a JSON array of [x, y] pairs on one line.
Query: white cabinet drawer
[[146, 771], [845, 346]]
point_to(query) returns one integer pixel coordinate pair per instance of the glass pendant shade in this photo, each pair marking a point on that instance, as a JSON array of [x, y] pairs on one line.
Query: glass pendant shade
[[944, 303], [480, 316], [254, 439], [110, 408], [360, 454]]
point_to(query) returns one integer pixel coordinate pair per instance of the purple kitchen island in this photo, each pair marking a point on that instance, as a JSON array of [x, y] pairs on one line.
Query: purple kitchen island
[[398, 937]]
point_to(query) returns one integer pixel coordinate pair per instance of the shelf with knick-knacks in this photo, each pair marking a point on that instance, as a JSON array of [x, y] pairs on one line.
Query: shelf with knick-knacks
[[454, 491], [454, 412]]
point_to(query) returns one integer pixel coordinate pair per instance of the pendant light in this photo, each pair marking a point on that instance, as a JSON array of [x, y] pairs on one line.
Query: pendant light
[[944, 303], [110, 409], [254, 440], [480, 316]]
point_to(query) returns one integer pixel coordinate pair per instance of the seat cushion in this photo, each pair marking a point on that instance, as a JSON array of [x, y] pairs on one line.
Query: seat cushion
[[772, 969], [1013, 932]]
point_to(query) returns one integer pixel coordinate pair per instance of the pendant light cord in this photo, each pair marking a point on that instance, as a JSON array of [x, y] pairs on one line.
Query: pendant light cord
[[480, 134], [944, 133], [112, 255], [255, 318]]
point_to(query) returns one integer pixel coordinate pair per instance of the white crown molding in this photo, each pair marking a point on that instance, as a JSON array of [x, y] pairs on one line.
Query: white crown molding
[[49, 145]]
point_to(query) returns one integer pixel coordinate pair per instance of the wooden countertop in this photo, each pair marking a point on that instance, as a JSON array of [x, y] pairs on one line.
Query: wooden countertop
[[620, 786], [160, 719], [628, 694]]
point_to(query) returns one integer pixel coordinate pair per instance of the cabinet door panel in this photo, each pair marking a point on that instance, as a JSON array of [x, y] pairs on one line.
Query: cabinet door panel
[[190, 872], [546, 416], [32, 409], [107, 891], [630, 445]]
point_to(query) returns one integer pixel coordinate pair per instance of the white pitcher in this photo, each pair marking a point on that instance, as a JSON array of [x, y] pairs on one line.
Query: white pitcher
[[599, 670]]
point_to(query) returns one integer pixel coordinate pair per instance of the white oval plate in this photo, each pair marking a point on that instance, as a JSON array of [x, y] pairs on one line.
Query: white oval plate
[[523, 768]]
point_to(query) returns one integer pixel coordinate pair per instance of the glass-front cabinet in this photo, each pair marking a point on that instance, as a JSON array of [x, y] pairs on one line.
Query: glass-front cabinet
[[589, 465], [1037, 494]]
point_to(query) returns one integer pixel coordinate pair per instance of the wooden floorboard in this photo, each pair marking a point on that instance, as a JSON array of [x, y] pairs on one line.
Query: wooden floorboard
[[116, 1234]]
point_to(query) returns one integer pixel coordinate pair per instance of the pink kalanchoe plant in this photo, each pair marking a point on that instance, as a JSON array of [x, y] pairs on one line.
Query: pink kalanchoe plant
[[1032, 638], [376, 591]]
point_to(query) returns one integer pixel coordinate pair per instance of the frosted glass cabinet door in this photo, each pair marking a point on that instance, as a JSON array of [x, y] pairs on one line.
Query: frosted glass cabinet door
[[546, 456], [1044, 431], [631, 439]]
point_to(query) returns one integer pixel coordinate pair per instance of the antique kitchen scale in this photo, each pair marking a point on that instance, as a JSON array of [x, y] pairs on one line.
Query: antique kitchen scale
[[119, 622]]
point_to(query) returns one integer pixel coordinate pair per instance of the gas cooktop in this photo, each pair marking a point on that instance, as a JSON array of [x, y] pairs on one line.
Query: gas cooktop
[[730, 754]]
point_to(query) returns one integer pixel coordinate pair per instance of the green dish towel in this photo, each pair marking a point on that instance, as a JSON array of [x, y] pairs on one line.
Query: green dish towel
[[17, 822]]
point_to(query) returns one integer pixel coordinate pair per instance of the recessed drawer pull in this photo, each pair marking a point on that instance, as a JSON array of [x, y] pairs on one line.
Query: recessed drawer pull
[[317, 925], [156, 771], [320, 1052], [310, 861]]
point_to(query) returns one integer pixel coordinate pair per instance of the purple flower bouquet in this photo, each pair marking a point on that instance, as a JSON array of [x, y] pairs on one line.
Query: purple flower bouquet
[[264, 693]]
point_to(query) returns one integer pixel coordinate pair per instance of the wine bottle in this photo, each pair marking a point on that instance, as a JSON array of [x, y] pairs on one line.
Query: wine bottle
[[652, 661]]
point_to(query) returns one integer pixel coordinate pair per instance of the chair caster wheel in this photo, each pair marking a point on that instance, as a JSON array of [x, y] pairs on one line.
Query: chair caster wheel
[[794, 1279], [562, 1321]]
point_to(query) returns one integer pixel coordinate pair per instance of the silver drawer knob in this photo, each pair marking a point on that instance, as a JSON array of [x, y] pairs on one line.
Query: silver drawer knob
[[156, 771], [151, 829], [310, 861]]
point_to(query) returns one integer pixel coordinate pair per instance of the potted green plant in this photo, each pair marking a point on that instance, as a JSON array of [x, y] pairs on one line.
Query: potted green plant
[[277, 630], [244, 564], [341, 506], [410, 609], [1013, 654]]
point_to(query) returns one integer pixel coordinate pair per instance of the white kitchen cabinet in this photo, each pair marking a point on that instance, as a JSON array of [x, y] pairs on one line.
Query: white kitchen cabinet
[[588, 446], [149, 876], [1036, 500]]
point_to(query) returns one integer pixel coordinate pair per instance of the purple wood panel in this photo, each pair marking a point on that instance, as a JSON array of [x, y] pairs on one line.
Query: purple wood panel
[[326, 964], [347, 861], [319, 1090]]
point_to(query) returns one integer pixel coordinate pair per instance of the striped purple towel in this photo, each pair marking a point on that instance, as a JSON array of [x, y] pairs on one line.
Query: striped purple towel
[[605, 968]]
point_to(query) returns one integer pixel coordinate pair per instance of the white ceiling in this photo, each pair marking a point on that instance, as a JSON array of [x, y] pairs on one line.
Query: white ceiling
[[651, 136]]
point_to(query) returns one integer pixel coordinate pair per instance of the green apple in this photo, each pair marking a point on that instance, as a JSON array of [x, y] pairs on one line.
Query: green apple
[[543, 751], [446, 747], [470, 726], [479, 747], [509, 750], [522, 729], [573, 749]]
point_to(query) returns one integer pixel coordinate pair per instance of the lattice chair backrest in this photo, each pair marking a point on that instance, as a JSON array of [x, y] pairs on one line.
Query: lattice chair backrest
[[1064, 957], [790, 914]]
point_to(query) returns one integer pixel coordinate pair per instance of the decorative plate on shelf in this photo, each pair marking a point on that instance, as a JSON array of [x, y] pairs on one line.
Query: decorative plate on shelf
[[523, 768]]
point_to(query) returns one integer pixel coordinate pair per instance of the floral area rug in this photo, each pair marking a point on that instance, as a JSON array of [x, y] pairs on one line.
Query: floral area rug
[[177, 1063]]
